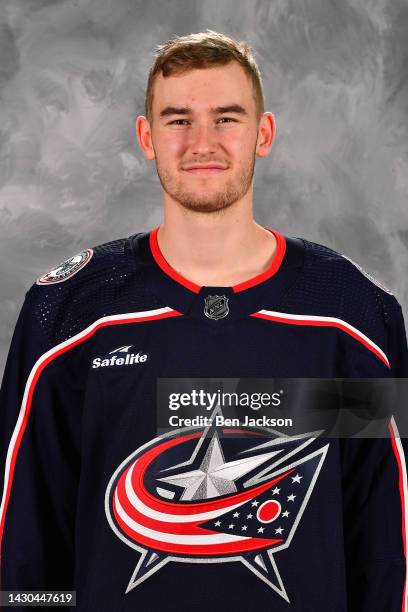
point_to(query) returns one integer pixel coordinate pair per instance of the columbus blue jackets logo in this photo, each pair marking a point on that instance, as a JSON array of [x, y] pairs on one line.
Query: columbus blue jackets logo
[[216, 306], [192, 496], [66, 269]]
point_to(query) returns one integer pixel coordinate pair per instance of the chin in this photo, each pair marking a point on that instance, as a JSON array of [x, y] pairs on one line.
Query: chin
[[206, 206]]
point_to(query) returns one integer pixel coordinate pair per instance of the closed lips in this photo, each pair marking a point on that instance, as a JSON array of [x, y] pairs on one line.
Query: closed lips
[[205, 168]]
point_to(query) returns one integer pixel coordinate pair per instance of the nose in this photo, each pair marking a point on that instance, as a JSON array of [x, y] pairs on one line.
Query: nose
[[203, 140]]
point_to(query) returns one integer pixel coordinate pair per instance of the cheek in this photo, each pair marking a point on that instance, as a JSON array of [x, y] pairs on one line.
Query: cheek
[[240, 154], [238, 143], [170, 148]]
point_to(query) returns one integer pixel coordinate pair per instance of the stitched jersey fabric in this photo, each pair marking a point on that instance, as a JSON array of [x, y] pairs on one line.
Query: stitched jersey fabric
[[95, 500]]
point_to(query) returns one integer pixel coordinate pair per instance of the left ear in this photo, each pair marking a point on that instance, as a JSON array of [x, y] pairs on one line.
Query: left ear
[[266, 134]]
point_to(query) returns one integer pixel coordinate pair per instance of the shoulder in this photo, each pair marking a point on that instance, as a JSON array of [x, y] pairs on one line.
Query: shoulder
[[97, 258], [331, 288], [341, 284], [93, 283]]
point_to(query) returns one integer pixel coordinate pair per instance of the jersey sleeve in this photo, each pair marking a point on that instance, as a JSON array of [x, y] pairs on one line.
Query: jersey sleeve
[[40, 460], [397, 344], [375, 500]]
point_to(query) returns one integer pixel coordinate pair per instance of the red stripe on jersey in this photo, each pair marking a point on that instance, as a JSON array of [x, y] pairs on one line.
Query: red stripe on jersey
[[35, 373], [399, 455], [323, 322]]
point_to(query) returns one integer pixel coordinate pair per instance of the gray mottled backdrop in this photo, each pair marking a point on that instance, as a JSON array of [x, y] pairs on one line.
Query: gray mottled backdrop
[[72, 79]]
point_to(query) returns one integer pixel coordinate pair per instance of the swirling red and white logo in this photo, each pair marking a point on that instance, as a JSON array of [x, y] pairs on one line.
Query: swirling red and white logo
[[195, 496]]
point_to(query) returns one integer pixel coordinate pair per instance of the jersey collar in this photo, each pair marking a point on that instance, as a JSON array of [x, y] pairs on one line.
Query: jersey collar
[[259, 278], [262, 291]]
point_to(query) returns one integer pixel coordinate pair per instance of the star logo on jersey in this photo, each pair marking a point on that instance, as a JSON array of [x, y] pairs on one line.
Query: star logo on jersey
[[191, 496], [66, 269], [216, 306]]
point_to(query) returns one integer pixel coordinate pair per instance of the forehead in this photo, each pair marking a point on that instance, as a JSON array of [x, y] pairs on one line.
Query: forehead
[[204, 87]]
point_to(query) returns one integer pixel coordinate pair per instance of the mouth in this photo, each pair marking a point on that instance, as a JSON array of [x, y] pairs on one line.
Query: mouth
[[205, 171], [208, 170]]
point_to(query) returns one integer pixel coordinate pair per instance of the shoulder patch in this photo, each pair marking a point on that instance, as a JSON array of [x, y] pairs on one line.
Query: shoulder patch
[[368, 275], [66, 269]]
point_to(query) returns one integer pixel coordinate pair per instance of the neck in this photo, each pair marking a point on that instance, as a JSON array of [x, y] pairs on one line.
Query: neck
[[215, 249]]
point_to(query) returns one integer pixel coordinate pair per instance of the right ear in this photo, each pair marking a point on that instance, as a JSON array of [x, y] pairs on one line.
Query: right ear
[[144, 137]]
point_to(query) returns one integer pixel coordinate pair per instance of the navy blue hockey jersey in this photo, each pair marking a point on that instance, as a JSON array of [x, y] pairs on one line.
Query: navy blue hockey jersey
[[96, 500]]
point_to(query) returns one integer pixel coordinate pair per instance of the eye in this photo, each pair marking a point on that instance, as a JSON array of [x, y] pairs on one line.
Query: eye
[[183, 122], [179, 122]]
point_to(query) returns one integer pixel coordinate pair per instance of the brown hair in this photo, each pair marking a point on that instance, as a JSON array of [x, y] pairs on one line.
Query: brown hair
[[203, 50]]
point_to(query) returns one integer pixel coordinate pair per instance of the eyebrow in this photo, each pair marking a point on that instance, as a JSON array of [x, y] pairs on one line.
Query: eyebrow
[[186, 110]]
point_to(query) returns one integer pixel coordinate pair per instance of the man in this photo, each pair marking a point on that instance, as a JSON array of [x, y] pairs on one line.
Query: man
[[204, 516]]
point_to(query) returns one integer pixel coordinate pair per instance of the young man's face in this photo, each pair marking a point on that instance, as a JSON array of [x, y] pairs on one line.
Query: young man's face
[[204, 136]]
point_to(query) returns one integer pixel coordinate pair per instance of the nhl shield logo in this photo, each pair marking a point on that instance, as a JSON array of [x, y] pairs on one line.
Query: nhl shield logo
[[216, 306]]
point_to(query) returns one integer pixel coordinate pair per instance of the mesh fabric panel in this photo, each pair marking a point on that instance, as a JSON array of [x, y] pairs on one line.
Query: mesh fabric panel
[[109, 284]]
